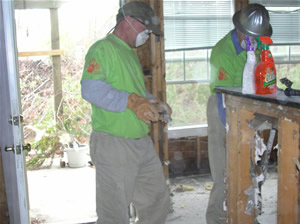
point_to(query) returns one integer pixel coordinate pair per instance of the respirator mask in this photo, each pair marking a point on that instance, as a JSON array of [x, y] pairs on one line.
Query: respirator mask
[[142, 37], [252, 41]]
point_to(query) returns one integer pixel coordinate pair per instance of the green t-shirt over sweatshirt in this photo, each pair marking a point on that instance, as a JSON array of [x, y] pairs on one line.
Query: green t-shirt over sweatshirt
[[116, 63], [226, 65]]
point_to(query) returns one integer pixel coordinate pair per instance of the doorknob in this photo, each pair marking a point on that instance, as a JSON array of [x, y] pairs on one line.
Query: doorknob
[[26, 147], [16, 120]]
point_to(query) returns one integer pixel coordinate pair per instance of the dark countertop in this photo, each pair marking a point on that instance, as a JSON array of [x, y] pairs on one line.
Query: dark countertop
[[278, 98]]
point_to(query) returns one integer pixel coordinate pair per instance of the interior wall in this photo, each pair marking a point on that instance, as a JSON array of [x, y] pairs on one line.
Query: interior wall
[[188, 156]]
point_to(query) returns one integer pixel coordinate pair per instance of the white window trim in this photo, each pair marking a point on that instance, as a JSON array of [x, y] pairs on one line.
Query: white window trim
[[187, 131]]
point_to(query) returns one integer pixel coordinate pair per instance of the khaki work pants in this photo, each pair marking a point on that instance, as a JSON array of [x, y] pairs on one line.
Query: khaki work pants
[[215, 213], [128, 170]]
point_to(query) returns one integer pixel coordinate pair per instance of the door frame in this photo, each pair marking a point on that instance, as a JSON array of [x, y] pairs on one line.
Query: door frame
[[14, 172]]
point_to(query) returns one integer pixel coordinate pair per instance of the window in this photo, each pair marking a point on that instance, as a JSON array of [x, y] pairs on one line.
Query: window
[[285, 20], [192, 28]]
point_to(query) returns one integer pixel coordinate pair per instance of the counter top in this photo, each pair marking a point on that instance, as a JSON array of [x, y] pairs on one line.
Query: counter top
[[278, 98]]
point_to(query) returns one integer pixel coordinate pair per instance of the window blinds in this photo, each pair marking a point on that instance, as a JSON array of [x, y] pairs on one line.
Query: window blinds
[[196, 23], [285, 20]]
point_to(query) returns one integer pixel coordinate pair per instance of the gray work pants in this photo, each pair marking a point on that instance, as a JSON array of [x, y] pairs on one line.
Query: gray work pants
[[217, 161], [128, 170]]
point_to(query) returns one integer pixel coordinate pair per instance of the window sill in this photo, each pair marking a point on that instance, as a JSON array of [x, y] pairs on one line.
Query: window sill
[[187, 131]]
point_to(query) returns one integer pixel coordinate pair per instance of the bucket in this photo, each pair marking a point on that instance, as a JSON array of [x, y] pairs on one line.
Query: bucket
[[77, 157]]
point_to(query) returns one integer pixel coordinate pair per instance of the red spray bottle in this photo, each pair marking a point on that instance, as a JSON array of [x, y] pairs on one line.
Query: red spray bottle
[[265, 72]]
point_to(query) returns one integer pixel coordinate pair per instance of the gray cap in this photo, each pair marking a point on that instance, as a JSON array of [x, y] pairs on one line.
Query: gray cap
[[142, 11], [253, 21]]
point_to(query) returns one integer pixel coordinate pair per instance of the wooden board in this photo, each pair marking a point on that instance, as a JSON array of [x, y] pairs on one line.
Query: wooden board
[[232, 164], [198, 144], [39, 4], [244, 179], [41, 53], [287, 173]]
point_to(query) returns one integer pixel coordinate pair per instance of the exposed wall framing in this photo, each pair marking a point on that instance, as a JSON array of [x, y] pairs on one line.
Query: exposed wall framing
[[151, 56], [152, 60], [240, 4]]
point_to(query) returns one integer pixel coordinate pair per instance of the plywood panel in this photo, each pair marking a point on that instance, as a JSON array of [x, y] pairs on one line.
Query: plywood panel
[[239, 109], [232, 163], [238, 164], [287, 173], [244, 181]]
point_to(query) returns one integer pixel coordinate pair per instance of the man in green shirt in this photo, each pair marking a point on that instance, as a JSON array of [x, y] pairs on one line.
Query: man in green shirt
[[227, 60], [128, 169]]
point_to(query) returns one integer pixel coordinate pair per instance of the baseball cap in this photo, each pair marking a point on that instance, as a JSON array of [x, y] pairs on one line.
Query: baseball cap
[[253, 20], [140, 11]]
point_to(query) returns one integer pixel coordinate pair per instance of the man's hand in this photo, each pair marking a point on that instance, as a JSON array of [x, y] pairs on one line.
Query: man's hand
[[143, 109], [164, 110]]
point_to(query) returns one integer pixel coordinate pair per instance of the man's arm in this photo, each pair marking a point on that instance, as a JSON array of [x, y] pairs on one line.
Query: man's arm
[[103, 95]]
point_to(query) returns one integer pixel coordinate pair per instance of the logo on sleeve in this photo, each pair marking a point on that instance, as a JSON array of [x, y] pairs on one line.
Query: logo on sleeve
[[93, 67], [222, 74]]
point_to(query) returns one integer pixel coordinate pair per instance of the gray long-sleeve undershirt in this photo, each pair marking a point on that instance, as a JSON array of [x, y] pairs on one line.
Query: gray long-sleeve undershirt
[[103, 95]]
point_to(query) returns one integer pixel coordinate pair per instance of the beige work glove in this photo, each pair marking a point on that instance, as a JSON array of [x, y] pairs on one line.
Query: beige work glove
[[164, 110], [143, 109]]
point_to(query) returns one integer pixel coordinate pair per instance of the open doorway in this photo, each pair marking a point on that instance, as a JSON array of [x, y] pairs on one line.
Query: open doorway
[[58, 192]]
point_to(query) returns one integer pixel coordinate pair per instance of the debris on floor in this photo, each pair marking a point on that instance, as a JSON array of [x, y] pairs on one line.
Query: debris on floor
[[208, 186], [74, 202], [182, 188]]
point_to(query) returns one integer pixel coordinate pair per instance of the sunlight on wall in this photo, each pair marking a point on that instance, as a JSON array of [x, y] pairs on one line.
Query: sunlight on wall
[[33, 29], [80, 24]]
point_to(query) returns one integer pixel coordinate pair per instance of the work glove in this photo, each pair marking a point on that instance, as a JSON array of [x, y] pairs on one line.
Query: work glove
[[142, 108], [164, 110]]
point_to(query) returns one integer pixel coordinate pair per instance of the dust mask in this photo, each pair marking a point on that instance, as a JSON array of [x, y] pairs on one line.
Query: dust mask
[[141, 38], [253, 43]]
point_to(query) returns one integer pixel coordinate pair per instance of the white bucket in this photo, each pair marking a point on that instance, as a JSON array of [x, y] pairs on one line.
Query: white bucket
[[77, 157]]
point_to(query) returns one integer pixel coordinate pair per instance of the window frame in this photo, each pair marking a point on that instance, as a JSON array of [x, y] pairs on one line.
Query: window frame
[[201, 129]]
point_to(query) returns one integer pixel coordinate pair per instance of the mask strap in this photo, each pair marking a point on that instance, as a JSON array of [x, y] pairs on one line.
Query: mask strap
[[128, 21], [111, 30], [116, 24]]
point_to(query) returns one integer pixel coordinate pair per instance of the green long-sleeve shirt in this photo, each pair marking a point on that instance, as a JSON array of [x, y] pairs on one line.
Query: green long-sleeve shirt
[[227, 62]]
